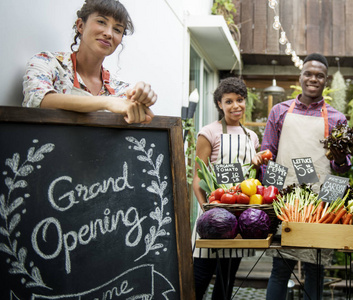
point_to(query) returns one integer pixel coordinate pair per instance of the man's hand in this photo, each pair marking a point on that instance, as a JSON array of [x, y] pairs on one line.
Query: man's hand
[[338, 156]]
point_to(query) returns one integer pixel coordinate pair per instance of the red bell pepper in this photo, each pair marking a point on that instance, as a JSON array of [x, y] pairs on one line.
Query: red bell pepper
[[270, 194], [260, 190]]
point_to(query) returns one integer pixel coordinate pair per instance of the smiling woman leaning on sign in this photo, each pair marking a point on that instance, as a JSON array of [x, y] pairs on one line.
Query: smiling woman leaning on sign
[[224, 141], [78, 81]]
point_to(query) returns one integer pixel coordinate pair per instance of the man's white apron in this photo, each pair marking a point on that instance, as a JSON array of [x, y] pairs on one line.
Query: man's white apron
[[300, 137]]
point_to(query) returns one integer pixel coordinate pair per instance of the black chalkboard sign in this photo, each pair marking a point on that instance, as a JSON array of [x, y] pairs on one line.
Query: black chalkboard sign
[[304, 169], [334, 187], [275, 175], [228, 173], [92, 208]]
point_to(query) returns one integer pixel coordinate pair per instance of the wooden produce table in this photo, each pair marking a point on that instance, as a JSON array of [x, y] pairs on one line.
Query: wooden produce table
[[269, 243]]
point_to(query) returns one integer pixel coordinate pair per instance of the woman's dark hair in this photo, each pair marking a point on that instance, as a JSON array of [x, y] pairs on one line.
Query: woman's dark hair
[[227, 86], [110, 8]]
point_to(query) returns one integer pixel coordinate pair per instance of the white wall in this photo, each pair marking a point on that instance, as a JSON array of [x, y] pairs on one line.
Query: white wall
[[155, 53], [28, 27]]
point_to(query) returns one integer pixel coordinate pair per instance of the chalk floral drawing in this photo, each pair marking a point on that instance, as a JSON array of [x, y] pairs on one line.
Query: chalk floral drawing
[[9, 213], [157, 187]]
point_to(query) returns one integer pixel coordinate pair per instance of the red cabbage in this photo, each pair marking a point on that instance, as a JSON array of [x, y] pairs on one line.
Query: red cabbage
[[254, 224], [217, 223]]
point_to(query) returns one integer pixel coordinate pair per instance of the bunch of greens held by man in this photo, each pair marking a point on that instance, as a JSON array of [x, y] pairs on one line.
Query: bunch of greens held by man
[[341, 139]]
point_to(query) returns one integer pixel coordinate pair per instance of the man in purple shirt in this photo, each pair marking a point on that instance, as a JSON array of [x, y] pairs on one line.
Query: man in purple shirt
[[294, 130]]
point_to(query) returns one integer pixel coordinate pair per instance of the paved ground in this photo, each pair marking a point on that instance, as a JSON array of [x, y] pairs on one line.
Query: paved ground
[[254, 288], [242, 294], [260, 294]]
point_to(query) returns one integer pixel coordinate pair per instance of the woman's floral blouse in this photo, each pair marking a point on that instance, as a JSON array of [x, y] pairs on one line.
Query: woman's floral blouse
[[53, 72]]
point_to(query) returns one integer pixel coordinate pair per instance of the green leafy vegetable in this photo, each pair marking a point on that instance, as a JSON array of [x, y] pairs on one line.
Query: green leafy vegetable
[[340, 138]]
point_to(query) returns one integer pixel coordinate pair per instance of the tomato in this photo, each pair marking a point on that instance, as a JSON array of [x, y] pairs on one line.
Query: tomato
[[270, 194], [215, 201], [260, 190], [248, 187], [218, 193], [267, 154], [211, 198], [228, 198], [212, 193], [256, 199], [243, 199], [235, 188]]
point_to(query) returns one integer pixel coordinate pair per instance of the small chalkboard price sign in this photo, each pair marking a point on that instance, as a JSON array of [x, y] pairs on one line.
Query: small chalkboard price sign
[[92, 208], [304, 169], [275, 175], [334, 187], [228, 173]]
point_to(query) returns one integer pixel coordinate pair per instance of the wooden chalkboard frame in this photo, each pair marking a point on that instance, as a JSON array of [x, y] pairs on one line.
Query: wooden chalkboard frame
[[173, 127]]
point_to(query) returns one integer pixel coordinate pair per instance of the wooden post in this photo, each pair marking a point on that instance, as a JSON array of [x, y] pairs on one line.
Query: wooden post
[[269, 104]]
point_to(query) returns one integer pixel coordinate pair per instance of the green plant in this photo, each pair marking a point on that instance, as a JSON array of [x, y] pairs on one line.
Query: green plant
[[338, 92], [189, 129], [252, 98], [339, 259], [227, 9]]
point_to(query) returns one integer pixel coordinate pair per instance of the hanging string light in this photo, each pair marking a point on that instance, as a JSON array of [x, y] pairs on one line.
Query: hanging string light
[[276, 23], [283, 40], [272, 3], [288, 50]]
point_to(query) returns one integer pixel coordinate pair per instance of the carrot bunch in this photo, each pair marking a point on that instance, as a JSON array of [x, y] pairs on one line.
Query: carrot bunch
[[303, 205], [296, 205]]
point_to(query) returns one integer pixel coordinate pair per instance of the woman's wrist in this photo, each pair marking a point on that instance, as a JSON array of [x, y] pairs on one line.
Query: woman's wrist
[[115, 104]]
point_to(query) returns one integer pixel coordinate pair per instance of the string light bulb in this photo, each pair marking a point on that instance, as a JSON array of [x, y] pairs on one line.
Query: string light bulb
[[283, 38], [297, 62], [276, 24], [288, 50], [272, 3], [301, 63]]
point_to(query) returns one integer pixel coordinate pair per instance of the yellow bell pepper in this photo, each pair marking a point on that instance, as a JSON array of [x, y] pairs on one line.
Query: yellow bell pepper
[[248, 187], [256, 199]]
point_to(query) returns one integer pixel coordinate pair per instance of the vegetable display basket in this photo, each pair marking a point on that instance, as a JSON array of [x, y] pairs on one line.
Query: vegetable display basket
[[314, 235], [237, 209]]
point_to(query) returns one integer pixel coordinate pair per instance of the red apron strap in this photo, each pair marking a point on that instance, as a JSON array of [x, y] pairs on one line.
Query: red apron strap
[[105, 76], [325, 116], [73, 59], [290, 110]]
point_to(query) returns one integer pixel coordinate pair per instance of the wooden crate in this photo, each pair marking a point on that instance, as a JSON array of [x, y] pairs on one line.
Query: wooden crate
[[308, 235], [238, 242]]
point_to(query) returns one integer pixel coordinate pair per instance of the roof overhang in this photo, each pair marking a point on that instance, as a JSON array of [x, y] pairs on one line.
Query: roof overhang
[[212, 35]]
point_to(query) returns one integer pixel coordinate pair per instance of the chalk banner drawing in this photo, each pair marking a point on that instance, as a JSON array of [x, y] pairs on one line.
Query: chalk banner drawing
[[86, 213]]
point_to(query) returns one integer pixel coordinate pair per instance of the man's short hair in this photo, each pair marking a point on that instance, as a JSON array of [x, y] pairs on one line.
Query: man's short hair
[[318, 57]]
